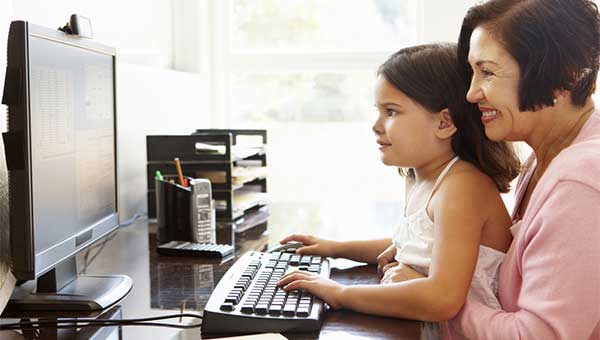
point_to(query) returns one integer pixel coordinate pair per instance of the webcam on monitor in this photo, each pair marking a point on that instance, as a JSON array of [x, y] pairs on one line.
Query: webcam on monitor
[[78, 25]]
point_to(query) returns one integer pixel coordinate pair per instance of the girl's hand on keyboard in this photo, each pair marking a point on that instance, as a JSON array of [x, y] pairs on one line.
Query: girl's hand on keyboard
[[327, 289], [313, 245], [386, 258]]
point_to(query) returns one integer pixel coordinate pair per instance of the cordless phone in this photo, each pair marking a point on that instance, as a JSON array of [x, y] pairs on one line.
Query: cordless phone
[[202, 211]]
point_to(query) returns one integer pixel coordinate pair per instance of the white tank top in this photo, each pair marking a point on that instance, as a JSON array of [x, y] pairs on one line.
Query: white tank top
[[414, 244]]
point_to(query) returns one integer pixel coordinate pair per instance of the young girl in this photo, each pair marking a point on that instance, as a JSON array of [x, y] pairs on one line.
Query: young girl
[[455, 228]]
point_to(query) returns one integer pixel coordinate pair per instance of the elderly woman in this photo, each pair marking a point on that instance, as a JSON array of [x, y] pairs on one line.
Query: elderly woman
[[533, 67]]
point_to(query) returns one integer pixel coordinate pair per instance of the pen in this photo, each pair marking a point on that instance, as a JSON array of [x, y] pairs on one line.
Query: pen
[[158, 175], [179, 172]]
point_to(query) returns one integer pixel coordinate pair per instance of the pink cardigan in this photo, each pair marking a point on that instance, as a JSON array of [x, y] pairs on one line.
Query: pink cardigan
[[549, 281]]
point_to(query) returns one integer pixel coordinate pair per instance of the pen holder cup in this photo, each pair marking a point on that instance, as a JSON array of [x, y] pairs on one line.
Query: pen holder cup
[[185, 213]]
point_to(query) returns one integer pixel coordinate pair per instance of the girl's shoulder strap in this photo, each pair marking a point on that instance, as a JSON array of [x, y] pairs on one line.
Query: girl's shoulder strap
[[440, 178]]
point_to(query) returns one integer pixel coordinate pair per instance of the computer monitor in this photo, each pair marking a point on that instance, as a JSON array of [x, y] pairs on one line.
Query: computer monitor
[[61, 154]]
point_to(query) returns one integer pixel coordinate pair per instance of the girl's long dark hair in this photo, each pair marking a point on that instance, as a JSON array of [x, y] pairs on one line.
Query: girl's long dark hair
[[429, 75]]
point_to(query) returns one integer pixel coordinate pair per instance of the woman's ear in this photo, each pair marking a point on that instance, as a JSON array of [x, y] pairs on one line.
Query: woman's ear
[[446, 128], [560, 96]]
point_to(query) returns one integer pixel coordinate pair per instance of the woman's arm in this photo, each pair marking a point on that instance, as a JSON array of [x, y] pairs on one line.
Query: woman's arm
[[558, 260], [437, 297]]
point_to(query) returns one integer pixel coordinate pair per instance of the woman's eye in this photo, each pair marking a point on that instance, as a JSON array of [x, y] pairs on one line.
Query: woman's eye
[[487, 73]]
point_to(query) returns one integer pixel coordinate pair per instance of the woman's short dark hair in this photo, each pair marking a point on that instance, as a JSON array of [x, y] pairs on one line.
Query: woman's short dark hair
[[429, 75], [555, 42]]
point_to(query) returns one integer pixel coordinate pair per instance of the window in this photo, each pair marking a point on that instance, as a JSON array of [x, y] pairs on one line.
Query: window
[[304, 70]]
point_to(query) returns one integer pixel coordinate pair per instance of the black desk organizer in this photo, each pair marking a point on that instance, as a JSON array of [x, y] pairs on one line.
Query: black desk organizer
[[162, 149], [177, 208]]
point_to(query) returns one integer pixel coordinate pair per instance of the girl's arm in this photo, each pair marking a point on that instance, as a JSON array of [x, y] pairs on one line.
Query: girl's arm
[[459, 217], [362, 251], [559, 261]]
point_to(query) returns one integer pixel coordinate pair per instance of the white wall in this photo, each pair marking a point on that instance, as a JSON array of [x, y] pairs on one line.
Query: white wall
[[151, 97], [141, 30], [441, 20], [152, 101]]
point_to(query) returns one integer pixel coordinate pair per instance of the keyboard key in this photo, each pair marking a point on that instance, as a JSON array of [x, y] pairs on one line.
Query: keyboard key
[[304, 304], [249, 308], [289, 310], [294, 260], [227, 306], [303, 311], [275, 309], [232, 299], [261, 309]]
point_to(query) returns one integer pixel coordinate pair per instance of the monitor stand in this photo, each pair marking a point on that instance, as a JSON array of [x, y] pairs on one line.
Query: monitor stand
[[61, 289]]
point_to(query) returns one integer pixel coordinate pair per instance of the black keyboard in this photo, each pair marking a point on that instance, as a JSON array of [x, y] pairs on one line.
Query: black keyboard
[[247, 299]]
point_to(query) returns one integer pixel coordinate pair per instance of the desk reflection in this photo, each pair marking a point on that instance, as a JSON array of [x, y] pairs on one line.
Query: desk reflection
[[177, 281]]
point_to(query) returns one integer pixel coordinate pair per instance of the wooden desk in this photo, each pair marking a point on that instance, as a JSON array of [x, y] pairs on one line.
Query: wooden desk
[[161, 284]]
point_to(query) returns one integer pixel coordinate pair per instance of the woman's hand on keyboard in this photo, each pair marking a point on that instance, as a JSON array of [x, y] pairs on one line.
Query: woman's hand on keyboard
[[313, 245], [327, 289], [386, 258]]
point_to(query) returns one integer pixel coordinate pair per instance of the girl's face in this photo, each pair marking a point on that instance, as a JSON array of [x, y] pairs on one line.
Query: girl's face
[[405, 130], [494, 88]]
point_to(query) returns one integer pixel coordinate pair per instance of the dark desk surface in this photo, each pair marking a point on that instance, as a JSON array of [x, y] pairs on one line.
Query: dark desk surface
[[161, 284]]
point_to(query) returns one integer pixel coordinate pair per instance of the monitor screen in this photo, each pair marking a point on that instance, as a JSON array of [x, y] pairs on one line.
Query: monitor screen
[[73, 185]]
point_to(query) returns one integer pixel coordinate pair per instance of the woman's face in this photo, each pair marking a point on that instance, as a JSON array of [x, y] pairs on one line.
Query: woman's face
[[404, 129], [494, 88]]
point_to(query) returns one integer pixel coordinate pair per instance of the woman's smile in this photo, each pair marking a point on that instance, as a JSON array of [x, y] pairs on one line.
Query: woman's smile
[[488, 114]]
